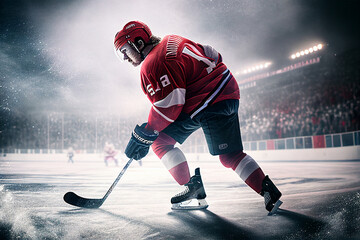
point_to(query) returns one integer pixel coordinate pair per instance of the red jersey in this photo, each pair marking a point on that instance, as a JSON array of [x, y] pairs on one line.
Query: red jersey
[[179, 75]]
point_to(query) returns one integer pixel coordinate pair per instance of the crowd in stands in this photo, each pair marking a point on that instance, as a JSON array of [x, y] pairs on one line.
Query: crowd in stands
[[315, 100], [303, 102]]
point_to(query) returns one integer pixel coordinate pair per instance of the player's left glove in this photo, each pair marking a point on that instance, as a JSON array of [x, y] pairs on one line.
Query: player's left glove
[[140, 141]]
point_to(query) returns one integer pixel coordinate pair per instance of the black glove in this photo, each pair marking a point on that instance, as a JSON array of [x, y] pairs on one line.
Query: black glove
[[140, 141]]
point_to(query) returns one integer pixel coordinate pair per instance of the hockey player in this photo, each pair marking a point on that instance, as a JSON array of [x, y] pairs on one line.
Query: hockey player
[[189, 87], [70, 154], [110, 153]]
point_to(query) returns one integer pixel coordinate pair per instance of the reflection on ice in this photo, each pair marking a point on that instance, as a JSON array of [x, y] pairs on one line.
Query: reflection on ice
[[315, 206]]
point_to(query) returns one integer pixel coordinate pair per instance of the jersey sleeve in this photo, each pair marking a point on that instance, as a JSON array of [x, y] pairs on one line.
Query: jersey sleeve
[[165, 86]]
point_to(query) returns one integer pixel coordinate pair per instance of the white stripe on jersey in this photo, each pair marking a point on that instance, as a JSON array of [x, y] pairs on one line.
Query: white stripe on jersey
[[176, 97], [161, 114], [214, 94]]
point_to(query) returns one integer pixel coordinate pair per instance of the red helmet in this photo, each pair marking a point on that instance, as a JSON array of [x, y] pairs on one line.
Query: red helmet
[[130, 32]]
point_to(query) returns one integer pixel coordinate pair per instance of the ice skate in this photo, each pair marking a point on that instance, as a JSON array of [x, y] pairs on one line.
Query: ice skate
[[193, 197], [271, 195]]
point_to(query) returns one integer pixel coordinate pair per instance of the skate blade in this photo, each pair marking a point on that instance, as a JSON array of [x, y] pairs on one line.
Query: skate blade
[[275, 208], [193, 204]]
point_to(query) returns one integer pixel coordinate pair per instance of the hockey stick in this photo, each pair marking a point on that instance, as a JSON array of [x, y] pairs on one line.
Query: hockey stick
[[74, 199]]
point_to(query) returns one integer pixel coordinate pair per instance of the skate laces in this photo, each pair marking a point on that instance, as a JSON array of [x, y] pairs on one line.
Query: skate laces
[[194, 182], [187, 190], [267, 198]]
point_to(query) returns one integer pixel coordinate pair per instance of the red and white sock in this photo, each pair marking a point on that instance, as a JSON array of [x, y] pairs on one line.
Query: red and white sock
[[172, 158], [246, 167], [175, 162]]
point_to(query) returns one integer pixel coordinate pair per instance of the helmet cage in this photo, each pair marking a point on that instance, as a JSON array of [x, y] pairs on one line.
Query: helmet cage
[[129, 52]]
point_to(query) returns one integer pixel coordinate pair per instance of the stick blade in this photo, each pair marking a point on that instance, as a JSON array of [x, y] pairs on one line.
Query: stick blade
[[75, 200]]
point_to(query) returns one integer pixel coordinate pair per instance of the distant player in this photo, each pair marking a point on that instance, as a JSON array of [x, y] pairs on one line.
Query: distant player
[[70, 155], [189, 87], [110, 153]]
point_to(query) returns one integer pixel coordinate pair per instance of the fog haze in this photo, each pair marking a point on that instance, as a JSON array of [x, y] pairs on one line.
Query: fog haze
[[58, 56]]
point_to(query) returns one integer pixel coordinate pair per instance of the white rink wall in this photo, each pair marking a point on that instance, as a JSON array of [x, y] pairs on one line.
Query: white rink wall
[[320, 154], [342, 153]]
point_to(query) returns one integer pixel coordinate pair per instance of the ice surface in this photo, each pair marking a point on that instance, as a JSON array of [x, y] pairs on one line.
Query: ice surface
[[321, 201]]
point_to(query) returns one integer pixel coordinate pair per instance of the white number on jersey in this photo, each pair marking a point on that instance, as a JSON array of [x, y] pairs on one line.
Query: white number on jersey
[[150, 90], [165, 80]]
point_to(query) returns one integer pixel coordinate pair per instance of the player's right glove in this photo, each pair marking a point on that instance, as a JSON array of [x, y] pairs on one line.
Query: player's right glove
[[140, 142]]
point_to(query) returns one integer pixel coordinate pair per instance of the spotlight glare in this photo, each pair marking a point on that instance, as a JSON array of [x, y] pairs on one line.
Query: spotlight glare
[[315, 48]]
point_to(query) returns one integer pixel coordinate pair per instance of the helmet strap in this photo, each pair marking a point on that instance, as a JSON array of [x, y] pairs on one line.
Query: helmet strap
[[145, 50]]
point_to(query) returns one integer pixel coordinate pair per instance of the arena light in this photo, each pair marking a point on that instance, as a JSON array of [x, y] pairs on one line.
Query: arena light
[[256, 67], [267, 64], [307, 51]]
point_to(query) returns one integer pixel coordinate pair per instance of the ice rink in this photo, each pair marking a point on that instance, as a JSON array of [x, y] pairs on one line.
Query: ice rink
[[321, 201]]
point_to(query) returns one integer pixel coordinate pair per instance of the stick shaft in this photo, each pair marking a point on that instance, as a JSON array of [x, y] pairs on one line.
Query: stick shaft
[[117, 179]]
